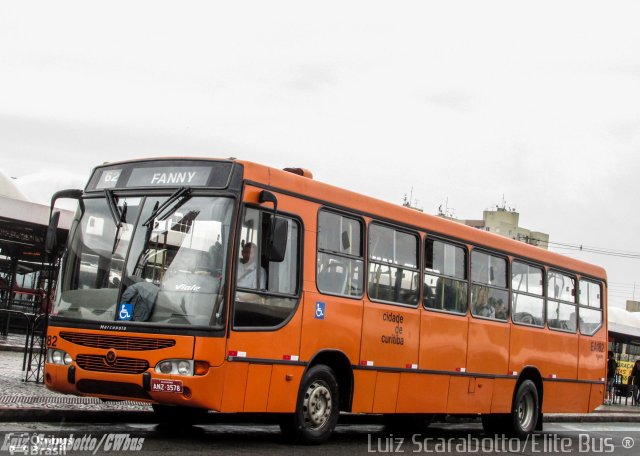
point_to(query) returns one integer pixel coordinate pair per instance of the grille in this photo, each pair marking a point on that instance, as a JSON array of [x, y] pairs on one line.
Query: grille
[[121, 366], [117, 342]]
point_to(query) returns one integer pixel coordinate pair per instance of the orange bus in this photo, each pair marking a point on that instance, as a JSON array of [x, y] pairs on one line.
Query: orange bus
[[225, 285]]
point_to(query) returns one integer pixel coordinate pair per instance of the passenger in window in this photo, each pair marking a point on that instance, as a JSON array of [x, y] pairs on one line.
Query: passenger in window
[[248, 268], [482, 306], [501, 310]]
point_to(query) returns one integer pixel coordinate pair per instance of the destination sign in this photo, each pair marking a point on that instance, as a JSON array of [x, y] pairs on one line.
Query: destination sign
[[162, 177], [109, 178], [162, 173]]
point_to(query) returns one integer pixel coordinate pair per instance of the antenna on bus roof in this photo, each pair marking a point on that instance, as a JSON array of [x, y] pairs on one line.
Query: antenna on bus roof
[[410, 202]]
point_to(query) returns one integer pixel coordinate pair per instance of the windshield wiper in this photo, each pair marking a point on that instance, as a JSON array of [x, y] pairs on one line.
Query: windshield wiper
[[113, 208], [181, 196], [119, 216]]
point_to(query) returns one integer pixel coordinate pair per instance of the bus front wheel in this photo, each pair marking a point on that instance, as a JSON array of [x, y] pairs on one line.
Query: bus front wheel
[[317, 407]]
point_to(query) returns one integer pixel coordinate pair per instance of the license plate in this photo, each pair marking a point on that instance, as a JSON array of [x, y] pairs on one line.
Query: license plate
[[166, 386]]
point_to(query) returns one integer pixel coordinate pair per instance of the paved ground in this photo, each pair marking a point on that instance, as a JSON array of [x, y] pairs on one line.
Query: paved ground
[[19, 399]]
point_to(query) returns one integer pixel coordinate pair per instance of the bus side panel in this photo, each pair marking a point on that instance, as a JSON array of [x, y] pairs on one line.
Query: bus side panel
[[488, 351], [210, 349], [363, 390], [257, 392], [337, 329], [443, 341], [390, 335], [270, 344], [235, 383], [561, 354], [503, 389], [214, 389], [551, 352], [469, 395], [597, 397], [566, 397], [386, 394], [528, 348], [593, 357], [593, 364], [283, 390], [422, 393]]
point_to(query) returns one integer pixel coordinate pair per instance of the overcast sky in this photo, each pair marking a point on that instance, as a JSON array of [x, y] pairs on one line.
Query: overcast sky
[[463, 102]]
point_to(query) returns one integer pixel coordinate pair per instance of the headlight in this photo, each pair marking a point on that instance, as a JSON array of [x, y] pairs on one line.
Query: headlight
[[165, 367], [175, 367], [55, 356], [184, 368]]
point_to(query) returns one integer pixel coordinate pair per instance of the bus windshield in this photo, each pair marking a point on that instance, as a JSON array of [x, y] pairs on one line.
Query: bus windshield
[[147, 259]]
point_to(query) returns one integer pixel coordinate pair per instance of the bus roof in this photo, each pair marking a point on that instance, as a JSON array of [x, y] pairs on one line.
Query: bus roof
[[382, 210]]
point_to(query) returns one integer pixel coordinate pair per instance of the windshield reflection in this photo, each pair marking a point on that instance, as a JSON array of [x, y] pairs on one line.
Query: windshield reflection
[[174, 269]]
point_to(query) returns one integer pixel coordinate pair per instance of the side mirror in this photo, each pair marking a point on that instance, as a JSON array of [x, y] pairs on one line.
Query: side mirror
[[277, 243], [51, 239], [71, 193], [268, 197]]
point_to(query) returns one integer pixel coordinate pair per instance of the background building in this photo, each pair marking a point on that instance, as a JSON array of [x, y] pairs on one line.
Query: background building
[[505, 222]]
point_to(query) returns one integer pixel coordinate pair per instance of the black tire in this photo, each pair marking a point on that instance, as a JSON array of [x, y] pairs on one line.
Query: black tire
[[175, 414], [524, 411], [317, 408]]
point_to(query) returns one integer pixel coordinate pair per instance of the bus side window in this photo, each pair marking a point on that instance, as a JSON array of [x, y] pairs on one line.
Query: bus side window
[[561, 302], [340, 262], [489, 293], [445, 278], [393, 265], [266, 291]]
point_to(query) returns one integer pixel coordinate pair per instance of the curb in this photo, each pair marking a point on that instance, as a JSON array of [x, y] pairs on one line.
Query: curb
[[607, 417], [45, 415], [12, 348], [42, 415]]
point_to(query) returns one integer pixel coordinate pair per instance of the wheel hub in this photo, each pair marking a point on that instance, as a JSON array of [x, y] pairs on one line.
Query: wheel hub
[[317, 405]]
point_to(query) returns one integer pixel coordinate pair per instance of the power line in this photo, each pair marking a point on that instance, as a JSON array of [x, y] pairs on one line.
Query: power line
[[591, 249]]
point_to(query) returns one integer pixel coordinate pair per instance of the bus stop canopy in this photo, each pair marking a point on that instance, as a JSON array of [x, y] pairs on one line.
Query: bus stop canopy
[[624, 325], [23, 228]]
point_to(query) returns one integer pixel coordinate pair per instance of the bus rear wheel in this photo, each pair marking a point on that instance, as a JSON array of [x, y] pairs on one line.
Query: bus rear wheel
[[525, 410], [317, 408]]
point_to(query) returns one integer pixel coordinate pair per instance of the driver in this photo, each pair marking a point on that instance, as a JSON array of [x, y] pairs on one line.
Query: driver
[[248, 271]]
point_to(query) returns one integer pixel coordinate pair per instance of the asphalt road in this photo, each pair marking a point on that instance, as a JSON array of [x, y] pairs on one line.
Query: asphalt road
[[462, 438]]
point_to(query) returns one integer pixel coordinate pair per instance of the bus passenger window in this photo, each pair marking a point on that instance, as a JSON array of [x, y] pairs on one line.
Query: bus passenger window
[[526, 300], [393, 265], [340, 262], [590, 307], [445, 278], [489, 295], [561, 298], [266, 291]]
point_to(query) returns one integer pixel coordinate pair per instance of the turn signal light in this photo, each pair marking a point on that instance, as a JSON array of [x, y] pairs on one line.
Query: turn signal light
[[201, 368]]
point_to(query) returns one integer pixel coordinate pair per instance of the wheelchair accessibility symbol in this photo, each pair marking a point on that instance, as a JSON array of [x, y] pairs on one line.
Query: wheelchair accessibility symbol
[[320, 310], [125, 312]]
